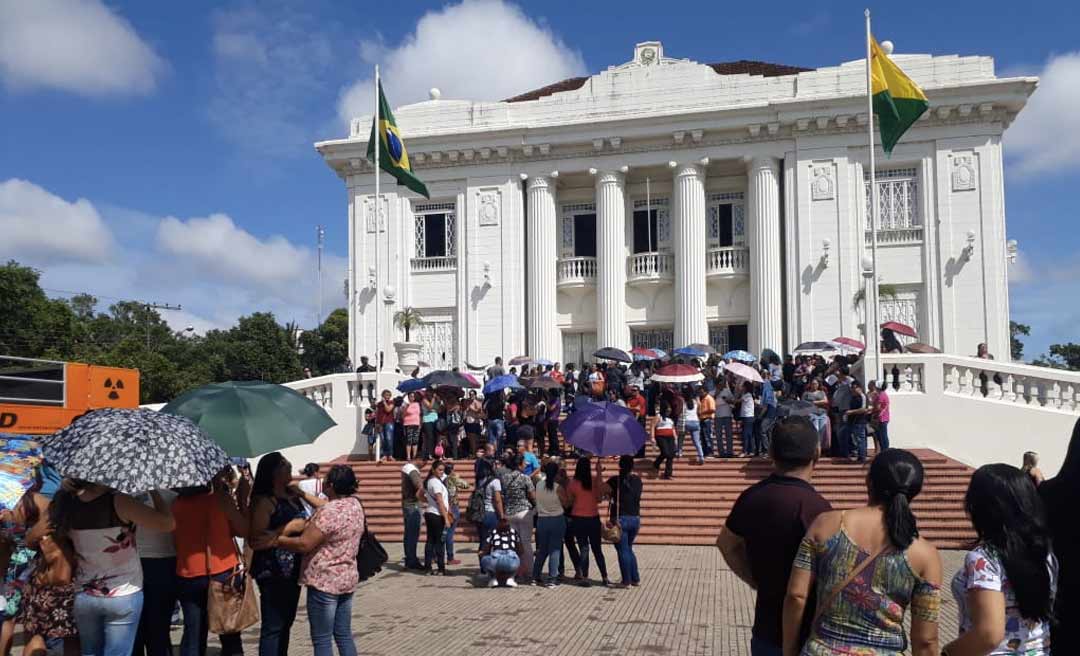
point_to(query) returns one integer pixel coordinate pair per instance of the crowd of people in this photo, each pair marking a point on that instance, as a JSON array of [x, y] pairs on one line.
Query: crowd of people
[[449, 422], [92, 571]]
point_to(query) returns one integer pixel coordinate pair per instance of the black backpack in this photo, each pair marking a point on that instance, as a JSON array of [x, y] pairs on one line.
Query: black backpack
[[475, 510]]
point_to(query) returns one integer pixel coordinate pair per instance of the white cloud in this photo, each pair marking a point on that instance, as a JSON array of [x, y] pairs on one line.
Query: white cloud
[[43, 226], [215, 244], [1046, 134], [476, 50], [73, 45], [275, 67]]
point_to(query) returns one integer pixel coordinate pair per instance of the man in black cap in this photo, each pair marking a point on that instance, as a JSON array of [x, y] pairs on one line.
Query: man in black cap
[[767, 523]]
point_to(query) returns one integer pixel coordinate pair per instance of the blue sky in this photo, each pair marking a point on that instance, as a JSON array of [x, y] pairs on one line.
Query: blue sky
[[163, 150]]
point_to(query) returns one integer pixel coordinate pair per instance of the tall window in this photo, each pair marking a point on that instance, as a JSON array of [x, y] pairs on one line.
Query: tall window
[[898, 199], [646, 231], [435, 230], [727, 223], [579, 230], [661, 338]]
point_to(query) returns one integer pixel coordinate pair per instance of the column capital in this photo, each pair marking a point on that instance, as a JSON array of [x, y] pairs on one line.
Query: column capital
[[758, 162], [540, 182], [694, 169], [609, 177]]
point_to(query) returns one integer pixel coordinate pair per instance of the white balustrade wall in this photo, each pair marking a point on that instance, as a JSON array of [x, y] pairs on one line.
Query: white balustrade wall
[[649, 265], [577, 270], [729, 259], [981, 411]]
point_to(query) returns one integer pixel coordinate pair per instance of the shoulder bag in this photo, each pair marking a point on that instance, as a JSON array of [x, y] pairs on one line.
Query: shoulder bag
[[232, 604], [613, 530], [829, 599], [370, 556]]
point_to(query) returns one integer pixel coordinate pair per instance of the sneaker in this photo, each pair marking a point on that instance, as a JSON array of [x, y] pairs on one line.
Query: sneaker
[[493, 583], [511, 583], [453, 561], [551, 584]]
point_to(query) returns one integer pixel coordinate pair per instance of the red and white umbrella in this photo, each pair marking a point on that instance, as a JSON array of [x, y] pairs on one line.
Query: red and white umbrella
[[899, 328], [852, 342], [677, 373], [743, 371]]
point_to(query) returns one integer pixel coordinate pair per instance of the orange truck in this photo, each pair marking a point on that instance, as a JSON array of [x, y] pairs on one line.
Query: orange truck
[[38, 397]]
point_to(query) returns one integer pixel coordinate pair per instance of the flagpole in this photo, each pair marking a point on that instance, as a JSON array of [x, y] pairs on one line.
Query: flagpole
[[873, 341], [378, 326], [648, 211]]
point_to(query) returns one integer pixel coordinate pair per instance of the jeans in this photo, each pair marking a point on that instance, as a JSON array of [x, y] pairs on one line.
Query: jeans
[[628, 568], [503, 561], [749, 441], [491, 520], [707, 437], [553, 437], [330, 616], [694, 428], [496, 430], [427, 440], [434, 547], [448, 539], [159, 599], [550, 532], [819, 422], [522, 522], [587, 534], [768, 420], [572, 553], [759, 647], [412, 534], [193, 595], [107, 625], [883, 435], [666, 445], [278, 599], [387, 441], [725, 436], [857, 435]]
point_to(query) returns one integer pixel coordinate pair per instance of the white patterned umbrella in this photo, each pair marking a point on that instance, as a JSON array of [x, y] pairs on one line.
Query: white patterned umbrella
[[135, 450]]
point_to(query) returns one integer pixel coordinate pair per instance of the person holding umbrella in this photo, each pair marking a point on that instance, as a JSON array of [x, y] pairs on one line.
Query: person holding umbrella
[[101, 524]]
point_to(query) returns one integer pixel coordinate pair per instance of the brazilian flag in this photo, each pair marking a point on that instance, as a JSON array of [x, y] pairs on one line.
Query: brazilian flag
[[898, 102], [393, 158]]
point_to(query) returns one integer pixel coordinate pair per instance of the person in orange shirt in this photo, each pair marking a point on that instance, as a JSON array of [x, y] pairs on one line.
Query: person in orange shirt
[[706, 410], [638, 405]]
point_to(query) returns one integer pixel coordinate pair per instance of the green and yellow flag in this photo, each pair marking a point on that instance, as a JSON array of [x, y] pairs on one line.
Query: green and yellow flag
[[898, 102], [393, 158]]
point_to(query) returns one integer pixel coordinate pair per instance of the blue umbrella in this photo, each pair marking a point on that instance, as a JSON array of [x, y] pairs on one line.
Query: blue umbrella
[[690, 352], [604, 429], [740, 355], [499, 383], [411, 385], [543, 362]]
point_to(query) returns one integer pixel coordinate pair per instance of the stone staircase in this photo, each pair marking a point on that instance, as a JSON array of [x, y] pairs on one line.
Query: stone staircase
[[691, 508]]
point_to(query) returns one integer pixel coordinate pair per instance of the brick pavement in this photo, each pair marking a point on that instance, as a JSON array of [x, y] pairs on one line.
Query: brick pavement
[[689, 603]]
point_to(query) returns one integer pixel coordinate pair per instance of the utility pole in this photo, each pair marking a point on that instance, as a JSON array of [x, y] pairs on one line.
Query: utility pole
[[320, 233], [156, 306]]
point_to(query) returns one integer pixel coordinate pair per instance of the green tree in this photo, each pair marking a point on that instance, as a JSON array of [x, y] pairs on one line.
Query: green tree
[[257, 348], [1061, 356], [884, 290], [326, 348], [1016, 347], [407, 319]]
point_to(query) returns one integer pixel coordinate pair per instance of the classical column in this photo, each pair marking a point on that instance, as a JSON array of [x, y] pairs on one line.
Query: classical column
[[766, 329], [611, 261], [540, 276], [690, 325]]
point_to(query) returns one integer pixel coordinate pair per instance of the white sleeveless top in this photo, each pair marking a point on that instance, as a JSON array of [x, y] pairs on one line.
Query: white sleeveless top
[[107, 561]]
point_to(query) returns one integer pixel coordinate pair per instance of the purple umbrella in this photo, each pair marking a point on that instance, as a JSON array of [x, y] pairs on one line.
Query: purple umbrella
[[604, 429]]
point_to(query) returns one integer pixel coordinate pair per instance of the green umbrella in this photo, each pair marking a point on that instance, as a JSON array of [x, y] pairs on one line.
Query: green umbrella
[[250, 418]]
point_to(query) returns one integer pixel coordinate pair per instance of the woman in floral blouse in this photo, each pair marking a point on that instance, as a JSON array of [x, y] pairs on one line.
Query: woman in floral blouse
[[329, 543]]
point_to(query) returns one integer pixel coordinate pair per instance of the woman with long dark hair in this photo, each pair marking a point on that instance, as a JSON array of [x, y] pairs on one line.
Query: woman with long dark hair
[[277, 508], [869, 565], [584, 492], [489, 483], [329, 543], [625, 507], [1059, 495], [436, 518], [1005, 590]]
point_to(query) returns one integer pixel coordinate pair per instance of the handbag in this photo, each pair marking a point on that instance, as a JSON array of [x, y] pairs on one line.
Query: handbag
[[612, 531], [58, 566], [232, 604], [370, 555]]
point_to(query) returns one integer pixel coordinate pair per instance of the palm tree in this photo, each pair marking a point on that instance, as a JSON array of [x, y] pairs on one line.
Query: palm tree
[[884, 290], [408, 318]]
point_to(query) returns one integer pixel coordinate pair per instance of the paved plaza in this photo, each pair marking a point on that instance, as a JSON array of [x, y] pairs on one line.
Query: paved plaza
[[689, 603]]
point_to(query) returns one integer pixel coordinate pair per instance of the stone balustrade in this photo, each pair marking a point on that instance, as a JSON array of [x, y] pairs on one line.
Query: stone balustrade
[[421, 264], [576, 271], [727, 261], [896, 236], [649, 267]]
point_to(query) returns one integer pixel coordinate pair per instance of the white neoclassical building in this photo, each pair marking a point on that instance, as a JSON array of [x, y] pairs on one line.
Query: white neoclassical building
[[663, 202]]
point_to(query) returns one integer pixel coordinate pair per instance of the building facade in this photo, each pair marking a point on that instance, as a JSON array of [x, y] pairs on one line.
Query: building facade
[[664, 202]]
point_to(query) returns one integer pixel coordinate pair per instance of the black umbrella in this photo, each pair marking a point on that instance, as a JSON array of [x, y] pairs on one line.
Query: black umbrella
[[799, 408], [612, 353], [135, 450], [444, 378], [543, 383]]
